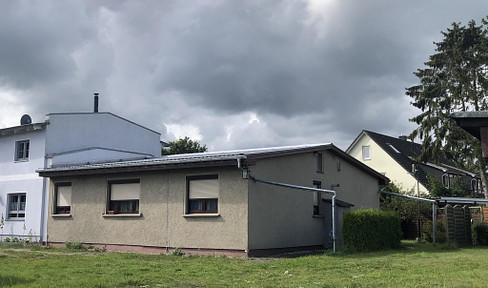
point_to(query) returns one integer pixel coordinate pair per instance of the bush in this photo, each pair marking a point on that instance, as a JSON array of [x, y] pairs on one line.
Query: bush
[[480, 234], [75, 245], [370, 230], [428, 231], [177, 252]]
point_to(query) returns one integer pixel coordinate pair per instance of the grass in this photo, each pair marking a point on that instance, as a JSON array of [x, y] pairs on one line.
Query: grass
[[416, 265]]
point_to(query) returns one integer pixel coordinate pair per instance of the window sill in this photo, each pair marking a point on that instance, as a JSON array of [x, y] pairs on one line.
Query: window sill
[[196, 215], [16, 219], [318, 216], [61, 215], [21, 161], [133, 215]]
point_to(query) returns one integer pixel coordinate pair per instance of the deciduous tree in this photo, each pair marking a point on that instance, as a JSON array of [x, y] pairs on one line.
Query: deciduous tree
[[182, 146]]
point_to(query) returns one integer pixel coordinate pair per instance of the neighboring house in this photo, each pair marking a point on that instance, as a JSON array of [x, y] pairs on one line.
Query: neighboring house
[[205, 202], [63, 139], [395, 158]]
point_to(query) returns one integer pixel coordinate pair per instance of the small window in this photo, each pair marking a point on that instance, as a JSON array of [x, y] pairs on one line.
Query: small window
[[16, 206], [203, 194], [62, 198], [320, 165], [316, 197], [474, 185], [124, 196], [22, 150], [445, 180], [366, 153], [393, 148]]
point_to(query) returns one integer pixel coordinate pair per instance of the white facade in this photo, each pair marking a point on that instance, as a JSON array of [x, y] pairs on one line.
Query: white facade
[[63, 139]]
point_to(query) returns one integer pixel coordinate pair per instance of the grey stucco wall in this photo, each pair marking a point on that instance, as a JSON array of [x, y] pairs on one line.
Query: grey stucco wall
[[162, 204], [281, 217]]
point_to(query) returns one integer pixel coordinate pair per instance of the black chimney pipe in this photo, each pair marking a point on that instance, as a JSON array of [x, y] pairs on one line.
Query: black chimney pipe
[[95, 107]]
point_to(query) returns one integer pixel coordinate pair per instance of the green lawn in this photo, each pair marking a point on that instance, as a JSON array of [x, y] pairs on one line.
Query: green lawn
[[413, 266]]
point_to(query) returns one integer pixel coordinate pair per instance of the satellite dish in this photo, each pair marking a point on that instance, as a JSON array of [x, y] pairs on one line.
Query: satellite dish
[[25, 120]]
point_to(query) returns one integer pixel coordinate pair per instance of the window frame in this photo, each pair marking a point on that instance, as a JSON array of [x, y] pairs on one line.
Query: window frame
[[113, 206], [204, 201], [61, 209], [319, 162], [25, 150], [18, 211], [317, 197], [369, 152]]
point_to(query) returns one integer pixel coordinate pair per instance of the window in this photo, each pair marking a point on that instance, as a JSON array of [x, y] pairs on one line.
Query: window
[[316, 197], [203, 194], [393, 148], [62, 198], [445, 180], [123, 196], [474, 185], [366, 153], [22, 150], [16, 206], [320, 166]]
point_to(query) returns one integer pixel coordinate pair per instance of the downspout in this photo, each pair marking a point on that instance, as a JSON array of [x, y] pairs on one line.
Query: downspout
[[45, 187]]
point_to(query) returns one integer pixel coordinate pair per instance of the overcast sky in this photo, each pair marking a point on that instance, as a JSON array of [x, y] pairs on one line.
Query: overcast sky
[[231, 74]]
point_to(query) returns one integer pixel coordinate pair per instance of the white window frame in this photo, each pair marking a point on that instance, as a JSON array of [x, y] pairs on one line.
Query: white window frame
[[25, 150], [366, 149], [18, 209]]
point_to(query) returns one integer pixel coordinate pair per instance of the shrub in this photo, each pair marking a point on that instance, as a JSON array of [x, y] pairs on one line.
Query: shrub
[[75, 245], [370, 230], [177, 252], [480, 234], [428, 231]]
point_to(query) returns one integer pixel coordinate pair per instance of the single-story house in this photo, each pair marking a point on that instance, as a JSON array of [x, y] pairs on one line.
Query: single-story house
[[209, 202]]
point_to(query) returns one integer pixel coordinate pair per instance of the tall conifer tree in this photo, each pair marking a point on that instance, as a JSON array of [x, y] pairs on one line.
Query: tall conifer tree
[[455, 79]]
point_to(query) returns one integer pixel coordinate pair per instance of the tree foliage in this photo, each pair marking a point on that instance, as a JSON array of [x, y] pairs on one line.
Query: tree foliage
[[457, 188], [455, 79], [184, 145], [407, 209]]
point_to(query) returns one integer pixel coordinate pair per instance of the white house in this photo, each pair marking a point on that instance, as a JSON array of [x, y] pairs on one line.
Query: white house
[[395, 157], [63, 139]]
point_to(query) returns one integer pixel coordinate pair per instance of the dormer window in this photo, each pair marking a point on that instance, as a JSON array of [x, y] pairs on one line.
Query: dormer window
[[22, 150]]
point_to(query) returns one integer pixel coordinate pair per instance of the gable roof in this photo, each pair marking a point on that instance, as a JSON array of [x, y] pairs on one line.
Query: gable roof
[[205, 159], [406, 152]]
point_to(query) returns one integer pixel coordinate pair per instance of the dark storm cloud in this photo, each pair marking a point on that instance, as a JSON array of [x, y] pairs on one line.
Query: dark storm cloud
[[232, 73], [37, 39]]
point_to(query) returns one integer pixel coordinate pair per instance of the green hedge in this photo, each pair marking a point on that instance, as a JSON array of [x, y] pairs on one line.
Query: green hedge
[[480, 234], [371, 230]]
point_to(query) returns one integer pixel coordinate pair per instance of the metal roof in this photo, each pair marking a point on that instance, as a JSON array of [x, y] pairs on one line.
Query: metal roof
[[188, 158]]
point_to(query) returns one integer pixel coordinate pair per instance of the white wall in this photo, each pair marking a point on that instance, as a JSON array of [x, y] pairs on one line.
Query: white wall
[[20, 177], [382, 162]]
